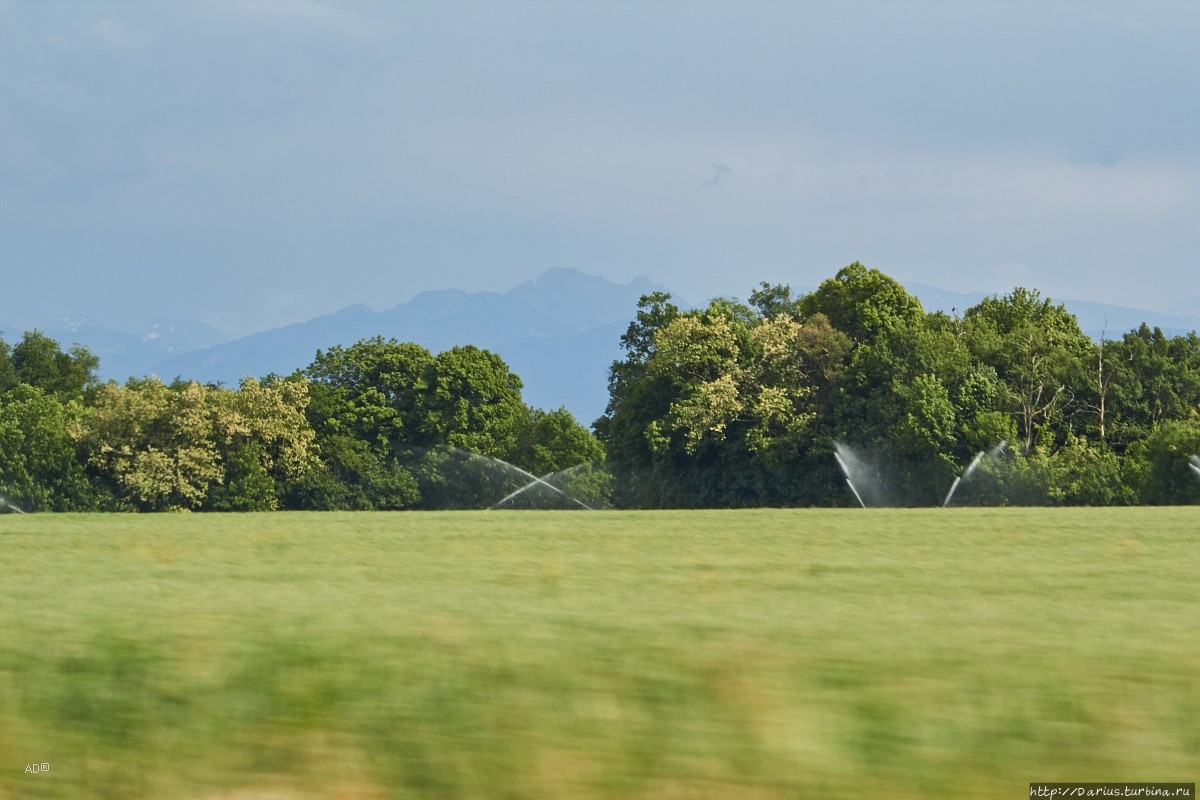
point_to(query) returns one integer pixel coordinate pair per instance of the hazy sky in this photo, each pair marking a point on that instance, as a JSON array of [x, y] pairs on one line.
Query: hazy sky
[[250, 163]]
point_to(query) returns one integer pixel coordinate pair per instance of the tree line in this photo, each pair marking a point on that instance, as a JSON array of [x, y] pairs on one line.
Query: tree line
[[376, 425], [741, 404], [736, 404]]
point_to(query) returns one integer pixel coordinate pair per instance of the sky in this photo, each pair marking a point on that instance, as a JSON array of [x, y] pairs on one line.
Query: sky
[[252, 163]]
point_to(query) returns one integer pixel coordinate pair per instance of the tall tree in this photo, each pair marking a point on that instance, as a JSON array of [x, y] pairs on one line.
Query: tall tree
[[863, 303], [366, 411], [37, 360], [473, 402], [1155, 378], [1038, 353], [715, 406]]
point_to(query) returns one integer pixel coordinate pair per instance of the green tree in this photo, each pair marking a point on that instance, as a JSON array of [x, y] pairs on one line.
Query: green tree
[[898, 401], [1085, 474], [8, 375], [1154, 378], [264, 442], [370, 391], [637, 397], [473, 402], [775, 300], [863, 303], [1038, 353], [39, 467], [553, 441], [387, 416], [366, 410], [714, 407], [37, 360], [1159, 465]]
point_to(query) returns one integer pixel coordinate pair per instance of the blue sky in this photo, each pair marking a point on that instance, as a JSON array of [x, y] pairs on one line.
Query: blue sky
[[250, 163]]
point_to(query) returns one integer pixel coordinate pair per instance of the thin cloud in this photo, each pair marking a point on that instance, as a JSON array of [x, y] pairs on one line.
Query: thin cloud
[[720, 173]]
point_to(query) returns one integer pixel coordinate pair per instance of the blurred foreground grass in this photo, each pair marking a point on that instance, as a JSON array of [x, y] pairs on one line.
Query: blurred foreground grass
[[750, 654]]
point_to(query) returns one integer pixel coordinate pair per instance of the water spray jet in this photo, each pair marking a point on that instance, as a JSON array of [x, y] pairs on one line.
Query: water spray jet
[[994, 453], [534, 480], [959, 479], [846, 471]]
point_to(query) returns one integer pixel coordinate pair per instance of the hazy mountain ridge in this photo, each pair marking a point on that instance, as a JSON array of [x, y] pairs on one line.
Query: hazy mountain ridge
[[122, 354], [559, 332]]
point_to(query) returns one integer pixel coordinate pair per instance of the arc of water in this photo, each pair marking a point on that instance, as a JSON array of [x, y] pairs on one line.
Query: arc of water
[[949, 494], [1194, 463], [966, 473], [524, 488], [535, 480], [850, 483], [541, 481]]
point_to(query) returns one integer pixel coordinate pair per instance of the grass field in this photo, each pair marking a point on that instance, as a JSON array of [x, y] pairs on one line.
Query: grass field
[[754, 654]]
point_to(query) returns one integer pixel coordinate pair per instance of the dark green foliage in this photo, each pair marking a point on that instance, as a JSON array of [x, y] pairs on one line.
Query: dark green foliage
[[247, 486], [37, 360], [398, 427], [1161, 463], [39, 467], [552, 441]]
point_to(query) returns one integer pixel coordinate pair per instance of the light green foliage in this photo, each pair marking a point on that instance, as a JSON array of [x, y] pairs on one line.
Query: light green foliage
[[169, 447], [982, 402], [728, 367], [155, 444], [928, 425], [712, 406], [699, 355], [753, 654]]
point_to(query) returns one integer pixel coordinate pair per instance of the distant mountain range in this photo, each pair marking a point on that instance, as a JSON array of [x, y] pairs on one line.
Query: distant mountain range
[[559, 332]]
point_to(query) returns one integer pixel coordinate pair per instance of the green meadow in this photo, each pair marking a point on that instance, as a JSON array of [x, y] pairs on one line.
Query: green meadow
[[958, 653]]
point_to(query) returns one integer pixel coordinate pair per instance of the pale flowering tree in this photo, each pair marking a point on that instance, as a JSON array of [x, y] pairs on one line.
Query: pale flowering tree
[[189, 446]]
